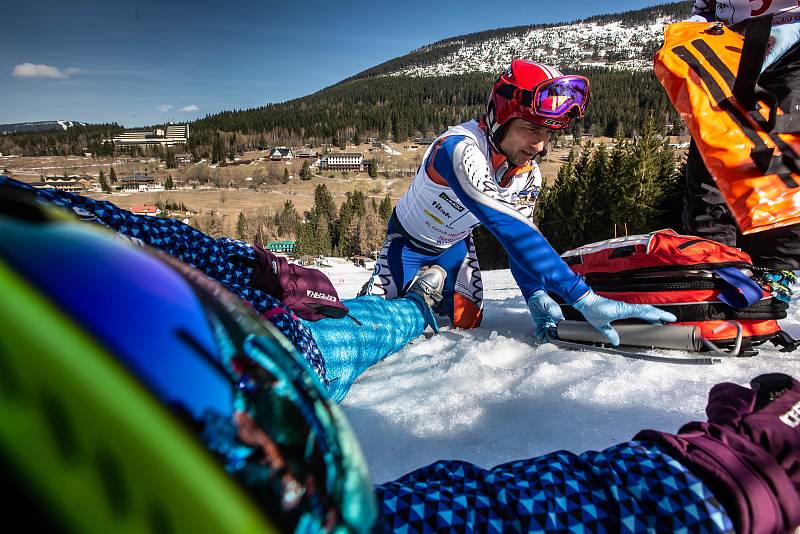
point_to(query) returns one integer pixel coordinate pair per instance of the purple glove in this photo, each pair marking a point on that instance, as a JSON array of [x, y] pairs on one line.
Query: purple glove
[[748, 452], [307, 292]]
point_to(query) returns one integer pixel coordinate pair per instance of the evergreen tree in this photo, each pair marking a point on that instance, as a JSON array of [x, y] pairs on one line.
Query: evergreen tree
[[287, 220], [596, 215], [218, 150], [344, 226], [577, 133], [385, 209], [315, 235], [113, 176], [285, 179], [170, 159], [306, 242], [596, 195], [373, 169], [168, 183], [241, 227], [359, 203], [323, 202], [651, 168], [305, 171], [104, 183]]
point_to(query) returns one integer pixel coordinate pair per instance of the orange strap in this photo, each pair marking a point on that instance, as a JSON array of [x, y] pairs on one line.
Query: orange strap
[[755, 169]]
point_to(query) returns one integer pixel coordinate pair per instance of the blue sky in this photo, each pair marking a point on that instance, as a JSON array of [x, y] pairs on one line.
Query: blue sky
[[146, 62]]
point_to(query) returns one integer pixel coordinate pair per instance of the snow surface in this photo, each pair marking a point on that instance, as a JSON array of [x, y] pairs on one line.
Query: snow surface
[[492, 395]]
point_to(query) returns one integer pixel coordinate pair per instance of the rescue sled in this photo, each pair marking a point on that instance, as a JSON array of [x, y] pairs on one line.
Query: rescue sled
[[724, 304]]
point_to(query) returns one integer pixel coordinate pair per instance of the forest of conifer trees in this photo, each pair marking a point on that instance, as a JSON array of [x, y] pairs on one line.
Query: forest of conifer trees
[[397, 108]]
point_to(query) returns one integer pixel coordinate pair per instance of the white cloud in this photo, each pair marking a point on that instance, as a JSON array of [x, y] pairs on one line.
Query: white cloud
[[163, 108], [189, 109], [30, 70]]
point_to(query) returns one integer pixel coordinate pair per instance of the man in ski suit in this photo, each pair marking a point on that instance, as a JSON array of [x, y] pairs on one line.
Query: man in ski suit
[[483, 172], [705, 213]]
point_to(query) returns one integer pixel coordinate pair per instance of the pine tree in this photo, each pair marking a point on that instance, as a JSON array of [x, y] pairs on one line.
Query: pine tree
[[651, 167], [113, 176], [305, 171], [385, 209], [104, 183], [287, 220], [596, 215], [170, 159], [323, 202], [577, 132], [241, 227], [168, 183], [285, 179], [218, 150], [306, 241], [373, 169], [343, 226]]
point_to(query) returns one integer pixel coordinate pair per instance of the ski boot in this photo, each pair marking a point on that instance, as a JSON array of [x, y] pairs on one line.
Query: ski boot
[[426, 291]]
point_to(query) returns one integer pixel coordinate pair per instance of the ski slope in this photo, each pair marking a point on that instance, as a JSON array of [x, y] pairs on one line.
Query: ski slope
[[492, 395]]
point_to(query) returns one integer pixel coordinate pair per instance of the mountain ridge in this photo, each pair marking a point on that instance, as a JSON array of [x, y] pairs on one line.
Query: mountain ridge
[[38, 126], [629, 23]]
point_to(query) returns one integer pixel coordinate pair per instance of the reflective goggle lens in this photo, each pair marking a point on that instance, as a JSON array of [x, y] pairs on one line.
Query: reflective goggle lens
[[555, 98]]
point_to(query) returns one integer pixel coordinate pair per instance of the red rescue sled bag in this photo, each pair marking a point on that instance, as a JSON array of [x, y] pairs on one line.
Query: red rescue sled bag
[[704, 283]]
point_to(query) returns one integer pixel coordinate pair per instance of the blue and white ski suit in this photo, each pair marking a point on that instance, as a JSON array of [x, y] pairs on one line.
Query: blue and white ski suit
[[464, 182]]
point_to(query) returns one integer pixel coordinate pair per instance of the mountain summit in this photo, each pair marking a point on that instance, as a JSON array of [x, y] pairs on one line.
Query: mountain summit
[[620, 41]]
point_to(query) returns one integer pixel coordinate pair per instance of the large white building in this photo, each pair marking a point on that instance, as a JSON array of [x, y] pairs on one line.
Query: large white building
[[350, 161], [174, 134]]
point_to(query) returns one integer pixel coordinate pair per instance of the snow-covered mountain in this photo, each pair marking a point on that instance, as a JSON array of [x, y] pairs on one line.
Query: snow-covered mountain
[[40, 126], [611, 45], [620, 41]]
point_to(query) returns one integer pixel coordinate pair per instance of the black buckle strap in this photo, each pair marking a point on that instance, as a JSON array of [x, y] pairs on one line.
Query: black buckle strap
[[785, 341], [510, 92], [757, 32]]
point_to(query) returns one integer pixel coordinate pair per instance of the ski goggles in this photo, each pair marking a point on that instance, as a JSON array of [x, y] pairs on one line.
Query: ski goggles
[[561, 96]]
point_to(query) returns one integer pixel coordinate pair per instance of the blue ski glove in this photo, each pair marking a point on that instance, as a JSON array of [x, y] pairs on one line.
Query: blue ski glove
[[600, 311], [545, 312]]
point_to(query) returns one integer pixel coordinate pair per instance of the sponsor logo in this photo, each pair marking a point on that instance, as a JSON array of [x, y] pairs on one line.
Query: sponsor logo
[[441, 209], [792, 417], [318, 295], [432, 216], [456, 206]]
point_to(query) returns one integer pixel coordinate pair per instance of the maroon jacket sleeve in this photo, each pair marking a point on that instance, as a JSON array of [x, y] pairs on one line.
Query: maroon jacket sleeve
[[748, 452], [307, 292]]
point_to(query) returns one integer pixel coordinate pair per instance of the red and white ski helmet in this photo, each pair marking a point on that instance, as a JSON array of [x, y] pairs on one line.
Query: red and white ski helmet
[[537, 93]]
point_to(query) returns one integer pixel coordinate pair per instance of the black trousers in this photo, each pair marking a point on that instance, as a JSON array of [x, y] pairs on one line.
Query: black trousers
[[705, 213]]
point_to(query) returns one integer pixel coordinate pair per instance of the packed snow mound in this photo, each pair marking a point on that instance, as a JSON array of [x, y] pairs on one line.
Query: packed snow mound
[[493, 395]]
